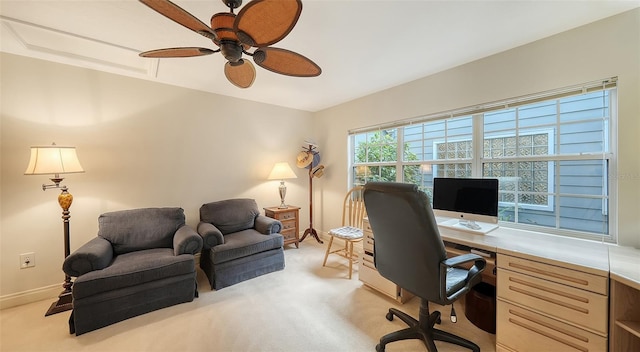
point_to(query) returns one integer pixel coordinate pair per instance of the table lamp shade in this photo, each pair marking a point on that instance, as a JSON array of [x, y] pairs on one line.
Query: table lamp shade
[[281, 171], [53, 159]]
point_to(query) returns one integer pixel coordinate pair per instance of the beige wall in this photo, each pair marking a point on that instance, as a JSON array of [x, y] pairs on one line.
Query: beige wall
[[142, 144], [603, 49]]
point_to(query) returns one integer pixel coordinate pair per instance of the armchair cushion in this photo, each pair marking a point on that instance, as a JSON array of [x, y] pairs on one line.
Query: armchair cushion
[[133, 269], [230, 215], [139, 229], [93, 255], [243, 244]]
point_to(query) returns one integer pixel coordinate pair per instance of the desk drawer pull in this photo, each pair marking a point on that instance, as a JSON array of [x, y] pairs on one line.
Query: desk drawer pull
[[549, 290], [547, 299], [549, 336], [548, 273]]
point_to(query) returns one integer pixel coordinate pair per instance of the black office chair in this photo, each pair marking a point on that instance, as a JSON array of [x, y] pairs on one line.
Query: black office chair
[[409, 251]]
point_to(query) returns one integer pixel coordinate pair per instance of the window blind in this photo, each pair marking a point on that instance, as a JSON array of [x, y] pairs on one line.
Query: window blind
[[583, 88]]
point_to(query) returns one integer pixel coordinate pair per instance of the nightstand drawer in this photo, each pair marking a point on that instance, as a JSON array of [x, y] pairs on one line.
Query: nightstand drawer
[[288, 215], [288, 234], [579, 307], [288, 225], [522, 330]]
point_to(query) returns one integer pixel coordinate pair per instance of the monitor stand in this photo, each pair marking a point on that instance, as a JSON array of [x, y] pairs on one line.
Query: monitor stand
[[480, 228]]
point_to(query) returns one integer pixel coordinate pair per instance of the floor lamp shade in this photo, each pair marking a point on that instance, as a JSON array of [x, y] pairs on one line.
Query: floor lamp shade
[[55, 160], [282, 171]]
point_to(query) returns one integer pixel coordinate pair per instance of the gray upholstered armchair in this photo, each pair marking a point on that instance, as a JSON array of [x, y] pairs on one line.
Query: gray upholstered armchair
[[239, 243], [141, 260]]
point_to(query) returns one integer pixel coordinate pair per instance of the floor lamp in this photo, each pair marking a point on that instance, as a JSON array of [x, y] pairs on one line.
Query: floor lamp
[[57, 160]]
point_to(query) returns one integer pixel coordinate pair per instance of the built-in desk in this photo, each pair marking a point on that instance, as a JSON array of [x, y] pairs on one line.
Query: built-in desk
[[560, 294], [552, 292]]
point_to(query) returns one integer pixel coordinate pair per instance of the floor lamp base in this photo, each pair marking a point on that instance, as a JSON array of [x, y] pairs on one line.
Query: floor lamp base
[[311, 231], [63, 304]]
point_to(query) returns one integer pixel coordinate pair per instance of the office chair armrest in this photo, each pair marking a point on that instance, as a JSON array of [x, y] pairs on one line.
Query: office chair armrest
[[472, 276], [479, 263], [465, 258]]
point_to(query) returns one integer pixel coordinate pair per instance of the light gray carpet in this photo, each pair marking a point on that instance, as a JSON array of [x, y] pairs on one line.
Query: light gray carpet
[[305, 307]]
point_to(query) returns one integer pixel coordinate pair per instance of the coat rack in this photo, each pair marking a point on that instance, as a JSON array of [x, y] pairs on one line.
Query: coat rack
[[309, 158]]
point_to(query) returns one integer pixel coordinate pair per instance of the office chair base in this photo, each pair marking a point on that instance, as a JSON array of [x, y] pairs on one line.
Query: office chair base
[[423, 330]]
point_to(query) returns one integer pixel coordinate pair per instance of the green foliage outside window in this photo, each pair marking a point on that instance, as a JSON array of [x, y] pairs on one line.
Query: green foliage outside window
[[381, 147]]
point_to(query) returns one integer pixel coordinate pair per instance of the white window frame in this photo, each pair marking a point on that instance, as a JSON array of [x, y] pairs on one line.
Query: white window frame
[[608, 155]]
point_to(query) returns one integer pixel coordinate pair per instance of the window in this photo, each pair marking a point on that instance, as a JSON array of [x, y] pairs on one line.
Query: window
[[551, 154]]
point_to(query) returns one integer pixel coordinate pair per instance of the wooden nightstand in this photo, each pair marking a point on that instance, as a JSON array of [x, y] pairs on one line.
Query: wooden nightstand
[[290, 222]]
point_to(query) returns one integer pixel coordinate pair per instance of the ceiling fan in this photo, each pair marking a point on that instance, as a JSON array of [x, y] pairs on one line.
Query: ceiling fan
[[259, 24]]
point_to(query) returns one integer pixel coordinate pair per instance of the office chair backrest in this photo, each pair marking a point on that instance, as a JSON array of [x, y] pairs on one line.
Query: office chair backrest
[[408, 248]]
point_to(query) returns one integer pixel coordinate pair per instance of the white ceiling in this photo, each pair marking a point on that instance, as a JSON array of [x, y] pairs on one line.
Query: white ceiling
[[362, 46]]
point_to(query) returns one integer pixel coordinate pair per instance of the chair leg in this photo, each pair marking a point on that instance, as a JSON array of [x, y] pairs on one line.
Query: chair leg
[[324, 263], [350, 255], [422, 329]]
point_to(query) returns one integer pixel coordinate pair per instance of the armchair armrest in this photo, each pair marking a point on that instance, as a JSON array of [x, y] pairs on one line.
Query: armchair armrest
[[94, 255], [266, 225], [186, 241], [471, 278], [210, 234]]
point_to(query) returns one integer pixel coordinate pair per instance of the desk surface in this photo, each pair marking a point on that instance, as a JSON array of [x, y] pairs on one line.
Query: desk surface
[[624, 265], [587, 256]]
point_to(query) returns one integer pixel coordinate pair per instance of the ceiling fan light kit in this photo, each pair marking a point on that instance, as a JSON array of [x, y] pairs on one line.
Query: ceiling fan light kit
[[258, 25]]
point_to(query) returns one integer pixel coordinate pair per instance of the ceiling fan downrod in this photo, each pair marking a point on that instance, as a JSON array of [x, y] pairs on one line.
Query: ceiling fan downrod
[[232, 4]]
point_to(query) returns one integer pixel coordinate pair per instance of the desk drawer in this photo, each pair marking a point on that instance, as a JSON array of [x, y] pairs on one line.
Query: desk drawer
[[370, 276], [580, 307], [522, 330], [366, 226], [367, 245], [564, 276]]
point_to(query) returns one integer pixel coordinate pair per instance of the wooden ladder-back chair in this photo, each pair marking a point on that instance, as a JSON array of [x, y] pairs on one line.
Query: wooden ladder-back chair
[[353, 212]]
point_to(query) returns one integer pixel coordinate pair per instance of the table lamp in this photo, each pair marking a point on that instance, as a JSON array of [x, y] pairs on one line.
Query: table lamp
[[282, 171], [55, 160]]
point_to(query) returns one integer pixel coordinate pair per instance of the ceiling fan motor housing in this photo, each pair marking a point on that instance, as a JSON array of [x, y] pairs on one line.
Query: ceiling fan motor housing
[[231, 50]]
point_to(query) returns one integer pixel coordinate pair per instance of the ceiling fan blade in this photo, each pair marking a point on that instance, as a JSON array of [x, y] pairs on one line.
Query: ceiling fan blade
[[241, 74], [180, 16], [177, 52], [286, 62], [265, 22]]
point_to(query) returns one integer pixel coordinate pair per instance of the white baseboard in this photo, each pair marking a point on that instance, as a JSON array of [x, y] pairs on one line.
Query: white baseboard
[[34, 295]]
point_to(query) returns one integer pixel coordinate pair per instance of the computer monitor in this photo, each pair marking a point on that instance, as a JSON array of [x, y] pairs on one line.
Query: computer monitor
[[472, 203]]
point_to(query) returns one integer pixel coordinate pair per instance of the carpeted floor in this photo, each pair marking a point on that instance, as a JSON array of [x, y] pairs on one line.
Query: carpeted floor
[[305, 307]]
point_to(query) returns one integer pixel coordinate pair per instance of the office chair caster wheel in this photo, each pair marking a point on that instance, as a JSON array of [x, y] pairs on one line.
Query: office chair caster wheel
[[389, 317], [379, 348]]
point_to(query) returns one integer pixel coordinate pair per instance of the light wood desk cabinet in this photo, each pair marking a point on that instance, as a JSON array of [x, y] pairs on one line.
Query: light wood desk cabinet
[[368, 274], [289, 217], [547, 307], [625, 299]]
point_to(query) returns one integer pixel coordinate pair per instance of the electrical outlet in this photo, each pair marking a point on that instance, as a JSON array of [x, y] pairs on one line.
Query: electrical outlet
[[27, 260]]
